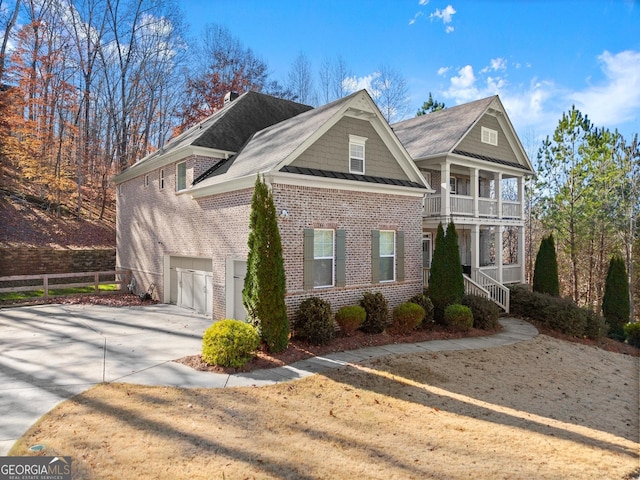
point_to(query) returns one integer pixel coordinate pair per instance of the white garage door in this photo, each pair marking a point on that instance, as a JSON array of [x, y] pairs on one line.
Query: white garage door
[[195, 290]]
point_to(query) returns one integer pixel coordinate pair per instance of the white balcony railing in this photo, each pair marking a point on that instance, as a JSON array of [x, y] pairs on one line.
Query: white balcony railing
[[461, 204], [510, 209], [487, 207]]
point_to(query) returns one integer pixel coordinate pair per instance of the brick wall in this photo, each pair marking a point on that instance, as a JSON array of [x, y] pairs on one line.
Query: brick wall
[[34, 261]]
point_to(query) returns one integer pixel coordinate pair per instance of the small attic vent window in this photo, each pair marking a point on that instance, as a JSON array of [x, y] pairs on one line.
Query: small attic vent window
[[356, 154], [489, 136]]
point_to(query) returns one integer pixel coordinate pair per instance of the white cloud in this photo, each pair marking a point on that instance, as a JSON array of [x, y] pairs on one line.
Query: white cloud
[[448, 29], [423, 2], [443, 70], [445, 15], [415, 17], [616, 100], [353, 84]]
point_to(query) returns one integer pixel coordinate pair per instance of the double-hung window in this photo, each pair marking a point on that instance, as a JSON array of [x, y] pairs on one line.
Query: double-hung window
[[387, 255], [323, 258], [356, 154], [181, 176]]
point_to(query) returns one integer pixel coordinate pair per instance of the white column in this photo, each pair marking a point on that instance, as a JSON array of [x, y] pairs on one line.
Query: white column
[[445, 189], [521, 258], [498, 181], [521, 198], [499, 243], [475, 190], [475, 251]]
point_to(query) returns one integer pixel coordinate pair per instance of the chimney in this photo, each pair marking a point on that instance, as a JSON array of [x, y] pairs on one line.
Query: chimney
[[230, 97]]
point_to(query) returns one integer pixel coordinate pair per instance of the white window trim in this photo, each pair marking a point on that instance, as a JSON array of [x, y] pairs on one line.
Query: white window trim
[[453, 188], [428, 236], [178, 189], [489, 136], [360, 141], [332, 257], [389, 256]]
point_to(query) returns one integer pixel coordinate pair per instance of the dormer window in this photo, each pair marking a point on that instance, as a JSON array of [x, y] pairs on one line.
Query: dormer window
[[356, 154], [489, 136]]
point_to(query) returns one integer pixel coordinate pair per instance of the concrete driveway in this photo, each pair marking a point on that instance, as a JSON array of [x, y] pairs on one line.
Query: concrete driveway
[[49, 353]]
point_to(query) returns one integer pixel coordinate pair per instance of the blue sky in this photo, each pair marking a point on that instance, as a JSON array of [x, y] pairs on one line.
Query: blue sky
[[539, 56]]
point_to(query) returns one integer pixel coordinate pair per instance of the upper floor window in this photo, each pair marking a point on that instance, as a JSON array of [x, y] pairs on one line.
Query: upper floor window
[[146, 180], [161, 182], [181, 176], [453, 184], [489, 136], [356, 154]]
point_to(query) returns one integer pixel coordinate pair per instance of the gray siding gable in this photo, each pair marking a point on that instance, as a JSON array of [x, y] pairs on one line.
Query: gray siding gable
[[472, 142]]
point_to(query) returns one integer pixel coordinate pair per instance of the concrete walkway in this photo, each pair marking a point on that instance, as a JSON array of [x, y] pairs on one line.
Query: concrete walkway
[[49, 353]]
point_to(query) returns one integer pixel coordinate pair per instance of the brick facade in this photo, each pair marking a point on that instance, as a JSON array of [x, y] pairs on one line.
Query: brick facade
[[154, 223]]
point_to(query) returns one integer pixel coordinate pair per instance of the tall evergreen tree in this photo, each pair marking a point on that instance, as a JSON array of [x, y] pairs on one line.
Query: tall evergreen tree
[[446, 285], [264, 284], [615, 303], [430, 106], [545, 275]]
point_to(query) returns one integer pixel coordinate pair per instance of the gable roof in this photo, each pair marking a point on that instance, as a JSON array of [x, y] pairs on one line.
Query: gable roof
[[274, 148], [439, 133], [224, 132]]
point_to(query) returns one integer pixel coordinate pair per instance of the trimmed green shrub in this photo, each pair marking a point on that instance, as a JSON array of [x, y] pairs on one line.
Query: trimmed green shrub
[[229, 343], [458, 317], [485, 312], [264, 283], [314, 321], [528, 304], [566, 317], [377, 308], [632, 333], [407, 317], [615, 302], [596, 327], [545, 274], [425, 302], [350, 318]]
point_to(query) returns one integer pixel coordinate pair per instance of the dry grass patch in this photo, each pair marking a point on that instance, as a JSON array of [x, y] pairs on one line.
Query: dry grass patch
[[540, 409]]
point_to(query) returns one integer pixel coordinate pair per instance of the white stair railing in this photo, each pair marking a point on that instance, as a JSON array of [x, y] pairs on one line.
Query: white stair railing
[[497, 291], [473, 288]]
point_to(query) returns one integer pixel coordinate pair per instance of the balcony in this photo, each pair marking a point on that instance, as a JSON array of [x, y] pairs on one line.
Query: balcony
[[463, 205]]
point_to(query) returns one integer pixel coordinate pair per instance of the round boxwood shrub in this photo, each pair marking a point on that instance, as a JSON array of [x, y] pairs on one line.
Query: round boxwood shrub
[[407, 317], [566, 317], [350, 318], [425, 302], [314, 321], [229, 343], [377, 308], [458, 317], [485, 312], [632, 333]]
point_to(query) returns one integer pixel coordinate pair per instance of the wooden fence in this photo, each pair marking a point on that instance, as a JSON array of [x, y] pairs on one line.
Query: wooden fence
[[48, 282]]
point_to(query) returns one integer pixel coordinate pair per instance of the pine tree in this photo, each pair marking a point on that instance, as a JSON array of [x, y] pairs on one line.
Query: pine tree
[[545, 275], [264, 284], [615, 303], [446, 285]]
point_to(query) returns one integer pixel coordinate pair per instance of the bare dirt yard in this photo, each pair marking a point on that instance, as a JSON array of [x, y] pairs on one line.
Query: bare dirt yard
[[542, 409]]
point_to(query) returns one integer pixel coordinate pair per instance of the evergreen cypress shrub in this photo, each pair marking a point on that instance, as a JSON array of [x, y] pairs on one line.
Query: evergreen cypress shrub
[[314, 321], [615, 302], [406, 318], [446, 284], [458, 317], [596, 326], [264, 284], [485, 312], [545, 275], [229, 343], [377, 308], [427, 305], [350, 318]]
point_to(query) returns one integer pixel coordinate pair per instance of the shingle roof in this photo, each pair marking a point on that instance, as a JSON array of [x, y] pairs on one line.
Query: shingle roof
[[229, 128], [270, 146], [439, 132], [351, 176]]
